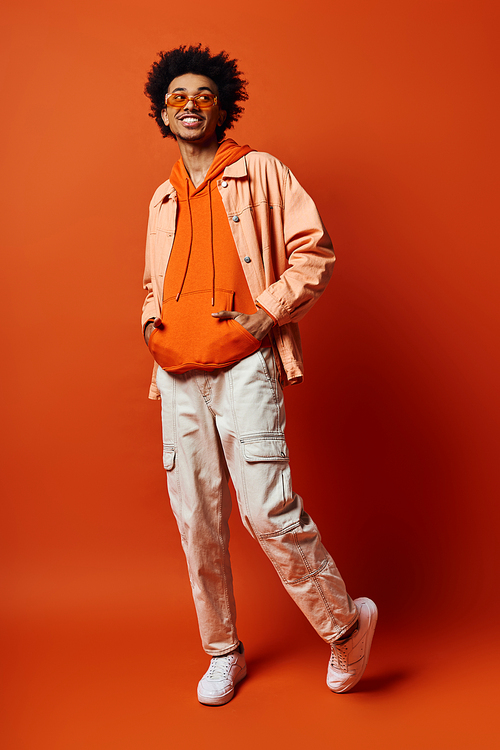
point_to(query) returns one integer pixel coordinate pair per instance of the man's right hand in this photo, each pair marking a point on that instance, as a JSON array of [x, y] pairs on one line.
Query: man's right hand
[[156, 323]]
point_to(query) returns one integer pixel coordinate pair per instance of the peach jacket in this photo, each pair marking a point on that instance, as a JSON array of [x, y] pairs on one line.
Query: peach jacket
[[285, 250]]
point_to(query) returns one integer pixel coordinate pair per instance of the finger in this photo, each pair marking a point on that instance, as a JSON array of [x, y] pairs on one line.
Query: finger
[[225, 314], [157, 323]]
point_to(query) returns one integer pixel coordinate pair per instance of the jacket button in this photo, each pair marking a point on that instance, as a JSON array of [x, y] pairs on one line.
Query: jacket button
[[247, 259], [224, 183], [236, 219]]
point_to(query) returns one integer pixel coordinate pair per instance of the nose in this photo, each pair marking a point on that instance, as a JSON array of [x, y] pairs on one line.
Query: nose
[[190, 104]]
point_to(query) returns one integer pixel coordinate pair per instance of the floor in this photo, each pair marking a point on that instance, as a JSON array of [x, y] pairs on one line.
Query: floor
[[126, 680]]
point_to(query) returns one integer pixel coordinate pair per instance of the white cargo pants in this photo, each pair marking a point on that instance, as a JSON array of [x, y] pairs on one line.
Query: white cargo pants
[[234, 419]]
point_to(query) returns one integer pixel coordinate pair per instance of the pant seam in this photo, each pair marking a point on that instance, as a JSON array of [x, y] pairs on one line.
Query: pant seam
[[310, 575], [176, 475], [316, 583], [223, 549], [270, 381], [325, 600], [242, 481], [281, 532]]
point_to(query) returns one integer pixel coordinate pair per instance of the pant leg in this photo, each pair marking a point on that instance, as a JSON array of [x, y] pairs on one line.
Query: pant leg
[[251, 422], [197, 480]]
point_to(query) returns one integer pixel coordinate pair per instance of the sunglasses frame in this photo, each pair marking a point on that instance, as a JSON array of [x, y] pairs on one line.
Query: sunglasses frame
[[193, 99]]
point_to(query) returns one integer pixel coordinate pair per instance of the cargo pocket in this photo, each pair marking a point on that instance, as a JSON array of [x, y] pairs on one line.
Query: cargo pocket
[[265, 448], [168, 457]]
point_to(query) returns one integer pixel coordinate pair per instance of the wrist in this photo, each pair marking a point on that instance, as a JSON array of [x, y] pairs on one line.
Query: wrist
[[260, 307], [265, 319], [148, 329]]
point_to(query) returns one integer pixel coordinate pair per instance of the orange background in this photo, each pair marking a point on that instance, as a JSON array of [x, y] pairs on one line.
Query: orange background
[[387, 112]]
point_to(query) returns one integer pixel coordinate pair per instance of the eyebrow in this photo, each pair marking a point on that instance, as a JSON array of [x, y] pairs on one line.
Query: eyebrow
[[200, 88]]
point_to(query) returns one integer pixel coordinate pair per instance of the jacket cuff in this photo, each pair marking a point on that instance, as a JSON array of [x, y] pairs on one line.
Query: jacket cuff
[[274, 308]]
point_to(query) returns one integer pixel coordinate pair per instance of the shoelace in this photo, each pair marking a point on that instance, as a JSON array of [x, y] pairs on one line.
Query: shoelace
[[219, 667], [339, 656]]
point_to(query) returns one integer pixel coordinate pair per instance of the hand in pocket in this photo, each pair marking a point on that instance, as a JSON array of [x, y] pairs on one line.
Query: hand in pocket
[[151, 327], [258, 324]]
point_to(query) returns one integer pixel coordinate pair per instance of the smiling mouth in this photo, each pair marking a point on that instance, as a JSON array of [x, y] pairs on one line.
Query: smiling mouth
[[189, 120]]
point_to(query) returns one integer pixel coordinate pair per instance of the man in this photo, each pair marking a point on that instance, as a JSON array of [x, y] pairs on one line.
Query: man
[[236, 254]]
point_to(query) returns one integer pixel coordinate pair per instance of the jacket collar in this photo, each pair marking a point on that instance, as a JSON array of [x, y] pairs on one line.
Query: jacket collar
[[166, 189], [237, 169]]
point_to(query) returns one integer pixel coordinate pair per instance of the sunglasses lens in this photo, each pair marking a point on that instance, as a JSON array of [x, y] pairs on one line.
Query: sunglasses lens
[[177, 100], [204, 100]]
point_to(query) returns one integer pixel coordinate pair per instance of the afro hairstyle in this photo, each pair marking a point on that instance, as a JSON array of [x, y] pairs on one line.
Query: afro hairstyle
[[198, 60]]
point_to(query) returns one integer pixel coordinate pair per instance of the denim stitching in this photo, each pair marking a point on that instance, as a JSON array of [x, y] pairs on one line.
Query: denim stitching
[[174, 413], [244, 490], [304, 558], [270, 381], [285, 530], [253, 437], [327, 606], [310, 575], [176, 468], [274, 375], [206, 394], [316, 582], [223, 548]]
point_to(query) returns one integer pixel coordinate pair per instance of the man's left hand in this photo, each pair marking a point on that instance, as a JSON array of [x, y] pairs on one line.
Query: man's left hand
[[258, 324]]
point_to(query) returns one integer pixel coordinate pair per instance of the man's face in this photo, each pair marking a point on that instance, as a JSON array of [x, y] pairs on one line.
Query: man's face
[[191, 123]]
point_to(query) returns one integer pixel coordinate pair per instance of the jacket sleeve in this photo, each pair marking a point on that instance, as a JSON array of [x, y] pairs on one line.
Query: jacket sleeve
[[149, 307], [309, 254]]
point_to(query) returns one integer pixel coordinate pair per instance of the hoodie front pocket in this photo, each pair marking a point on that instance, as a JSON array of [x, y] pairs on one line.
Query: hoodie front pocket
[[192, 339]]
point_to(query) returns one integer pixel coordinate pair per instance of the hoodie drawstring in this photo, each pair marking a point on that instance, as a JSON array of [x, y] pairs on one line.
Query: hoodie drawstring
[[212, 239], [191, 241]]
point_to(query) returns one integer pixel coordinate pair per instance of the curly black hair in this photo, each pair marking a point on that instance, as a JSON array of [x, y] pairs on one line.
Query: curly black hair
[[199, 60]]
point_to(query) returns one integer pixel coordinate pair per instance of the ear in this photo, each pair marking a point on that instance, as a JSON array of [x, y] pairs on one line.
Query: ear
[[222, 117], [164, 117]]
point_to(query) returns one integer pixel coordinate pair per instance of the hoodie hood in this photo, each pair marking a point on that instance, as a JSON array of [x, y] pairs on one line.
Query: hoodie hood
[[227, 153]]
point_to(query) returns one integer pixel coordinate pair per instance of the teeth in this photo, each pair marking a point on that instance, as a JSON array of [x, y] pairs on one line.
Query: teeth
[[189, 119]]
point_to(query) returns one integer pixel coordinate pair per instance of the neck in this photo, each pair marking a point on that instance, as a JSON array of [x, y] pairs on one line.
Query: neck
[[198, 158]]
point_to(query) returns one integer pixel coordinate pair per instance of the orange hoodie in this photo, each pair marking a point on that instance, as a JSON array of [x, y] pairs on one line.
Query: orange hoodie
[[204, 275]]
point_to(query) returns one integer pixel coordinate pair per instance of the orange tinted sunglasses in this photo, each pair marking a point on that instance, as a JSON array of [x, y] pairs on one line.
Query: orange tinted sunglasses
[[178, 100]]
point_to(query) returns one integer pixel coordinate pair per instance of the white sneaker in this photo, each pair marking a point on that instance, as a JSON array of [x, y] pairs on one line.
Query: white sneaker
[[349, 658], [216, 687]]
